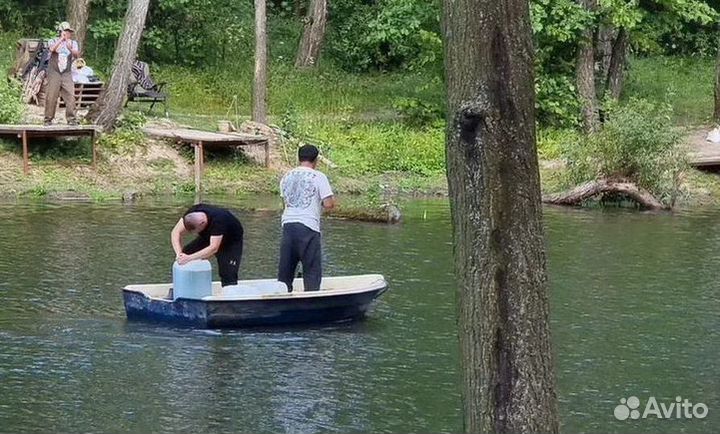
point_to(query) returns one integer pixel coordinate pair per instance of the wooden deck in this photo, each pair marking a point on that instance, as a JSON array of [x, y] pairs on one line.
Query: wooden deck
[[25, 131], [199, 139], [703, 153]]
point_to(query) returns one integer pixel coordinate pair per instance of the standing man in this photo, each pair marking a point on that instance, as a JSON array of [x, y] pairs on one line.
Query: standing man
[[219, 234], [63, 50], [305, 192]]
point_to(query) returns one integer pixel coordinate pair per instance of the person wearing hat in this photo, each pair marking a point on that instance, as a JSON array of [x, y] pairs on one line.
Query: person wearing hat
[[63, 50]]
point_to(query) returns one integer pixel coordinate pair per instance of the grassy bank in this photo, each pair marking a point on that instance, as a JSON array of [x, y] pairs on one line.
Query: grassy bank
[[383, 131]]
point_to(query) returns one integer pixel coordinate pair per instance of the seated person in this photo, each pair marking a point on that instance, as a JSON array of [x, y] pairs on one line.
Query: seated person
[[81, 73], [219, 234]]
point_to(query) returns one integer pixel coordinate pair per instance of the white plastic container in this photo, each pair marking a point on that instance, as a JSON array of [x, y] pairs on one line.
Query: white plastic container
[[192, 280], [254, 289]]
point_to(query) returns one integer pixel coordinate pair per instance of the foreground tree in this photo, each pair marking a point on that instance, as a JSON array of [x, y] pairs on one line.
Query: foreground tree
[[109, 105], [308, 53], [259, 112], [77, 14], [507, 364]]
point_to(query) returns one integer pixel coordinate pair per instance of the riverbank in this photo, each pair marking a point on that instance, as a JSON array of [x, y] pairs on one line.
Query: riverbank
[[157, 168]]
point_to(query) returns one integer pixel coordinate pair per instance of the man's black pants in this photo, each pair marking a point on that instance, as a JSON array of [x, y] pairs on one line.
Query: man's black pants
[[300, 244], [228, 257]]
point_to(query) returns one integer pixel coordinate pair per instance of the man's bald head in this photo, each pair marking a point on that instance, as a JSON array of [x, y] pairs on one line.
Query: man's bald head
[[195, 222]]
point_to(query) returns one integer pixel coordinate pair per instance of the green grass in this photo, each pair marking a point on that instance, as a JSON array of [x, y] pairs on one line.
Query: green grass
[[685, 83], [325, 92]]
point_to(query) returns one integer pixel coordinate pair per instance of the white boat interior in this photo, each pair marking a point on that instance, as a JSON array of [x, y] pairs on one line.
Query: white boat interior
[[271, 288]]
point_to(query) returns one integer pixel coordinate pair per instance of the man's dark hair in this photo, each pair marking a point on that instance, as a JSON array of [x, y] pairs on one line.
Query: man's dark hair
[[308, 153], [192, 221]]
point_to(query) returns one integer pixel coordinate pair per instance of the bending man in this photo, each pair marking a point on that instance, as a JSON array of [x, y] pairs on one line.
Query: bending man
[[305, 192], [219, 234]]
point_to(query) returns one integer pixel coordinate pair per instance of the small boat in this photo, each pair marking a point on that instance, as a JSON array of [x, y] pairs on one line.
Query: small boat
[[339, 299]]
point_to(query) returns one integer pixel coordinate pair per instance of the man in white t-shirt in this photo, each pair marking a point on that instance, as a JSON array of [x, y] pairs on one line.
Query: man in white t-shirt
[[305, 192]]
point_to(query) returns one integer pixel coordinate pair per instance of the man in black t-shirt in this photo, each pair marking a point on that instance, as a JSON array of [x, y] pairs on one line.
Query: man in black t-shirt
[[219, 233]]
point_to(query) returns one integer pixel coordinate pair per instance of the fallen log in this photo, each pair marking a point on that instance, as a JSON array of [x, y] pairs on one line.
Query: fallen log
[[583, 192], [386, 213]]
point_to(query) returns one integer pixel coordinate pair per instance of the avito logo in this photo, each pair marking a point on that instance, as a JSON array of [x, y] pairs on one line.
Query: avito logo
[[679, 409]]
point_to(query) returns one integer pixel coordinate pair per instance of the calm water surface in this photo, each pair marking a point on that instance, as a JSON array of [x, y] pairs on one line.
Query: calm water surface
[[635, 311]]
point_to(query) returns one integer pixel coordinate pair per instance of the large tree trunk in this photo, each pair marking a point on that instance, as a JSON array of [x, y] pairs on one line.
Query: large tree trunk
[[585, 75], [492, 170], [311, 43], [259, 113], [77, 15], [616, 70], [109, 105], [716, 112]]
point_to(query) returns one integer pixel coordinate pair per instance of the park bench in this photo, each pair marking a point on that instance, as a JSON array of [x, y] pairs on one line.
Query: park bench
[[86, 94], [142, 88]]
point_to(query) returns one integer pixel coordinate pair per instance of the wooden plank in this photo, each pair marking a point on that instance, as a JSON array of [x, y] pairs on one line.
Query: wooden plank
[[94, 152], [207, 137], [24, 132], [55, 130], [26, 163], [198, 162]]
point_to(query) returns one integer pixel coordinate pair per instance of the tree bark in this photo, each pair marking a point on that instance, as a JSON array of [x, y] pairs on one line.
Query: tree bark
[[77, 15], [583, 192], [308, 53], [716, 112], [585, 75], [603, 49], [616, 69], [259, 113], [109, 105], [492, 169]]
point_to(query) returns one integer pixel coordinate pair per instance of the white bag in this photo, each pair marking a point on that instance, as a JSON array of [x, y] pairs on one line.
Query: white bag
[[714, 135]]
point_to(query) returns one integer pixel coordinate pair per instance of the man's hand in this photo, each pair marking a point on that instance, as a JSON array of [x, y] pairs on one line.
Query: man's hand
[[183, 259]]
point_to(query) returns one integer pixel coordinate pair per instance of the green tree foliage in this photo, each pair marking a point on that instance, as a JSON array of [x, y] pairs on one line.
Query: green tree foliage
[[386, 34], [377, 35]]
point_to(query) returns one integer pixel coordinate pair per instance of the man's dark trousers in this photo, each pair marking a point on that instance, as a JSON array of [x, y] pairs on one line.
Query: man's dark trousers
[[300, 244]]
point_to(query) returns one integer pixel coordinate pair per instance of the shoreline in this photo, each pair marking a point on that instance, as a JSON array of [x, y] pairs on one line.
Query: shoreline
[[158, 169]]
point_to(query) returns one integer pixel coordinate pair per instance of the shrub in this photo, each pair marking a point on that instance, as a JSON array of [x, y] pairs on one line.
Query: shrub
[[638, 143], [417, 112], [11, 106], [127, 136], [551, 142]]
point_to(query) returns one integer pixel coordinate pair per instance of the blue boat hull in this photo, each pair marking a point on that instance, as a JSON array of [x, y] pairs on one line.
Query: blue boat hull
[[250, 312]]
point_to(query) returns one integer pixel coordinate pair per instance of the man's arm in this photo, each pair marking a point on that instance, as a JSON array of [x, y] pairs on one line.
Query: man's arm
[[75, 51], [329, 202], [176, 237], [55, 44], [205, 253], [326, 193]]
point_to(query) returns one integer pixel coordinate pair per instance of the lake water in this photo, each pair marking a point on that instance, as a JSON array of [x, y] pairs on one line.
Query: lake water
[[635, 304]]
